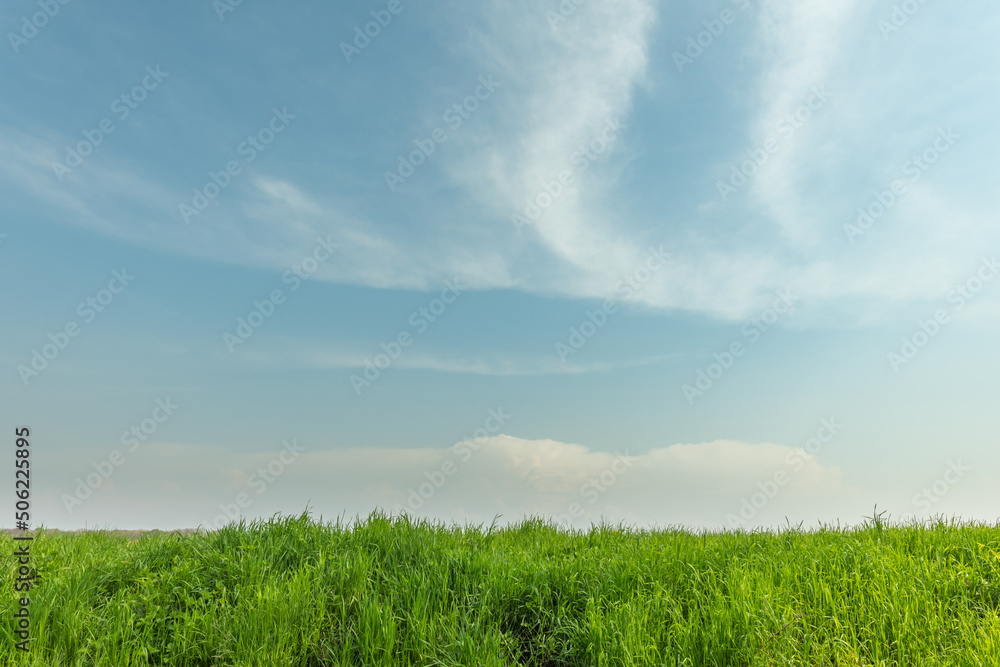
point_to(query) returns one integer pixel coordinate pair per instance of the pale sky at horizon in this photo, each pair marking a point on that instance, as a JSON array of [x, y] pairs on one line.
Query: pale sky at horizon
[[638, 259]]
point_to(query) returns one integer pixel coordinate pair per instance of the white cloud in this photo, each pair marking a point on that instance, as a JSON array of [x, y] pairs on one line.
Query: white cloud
[[571, 81], [560, 86], [879, 116], [803, 46], [695, 484], [301, 355]]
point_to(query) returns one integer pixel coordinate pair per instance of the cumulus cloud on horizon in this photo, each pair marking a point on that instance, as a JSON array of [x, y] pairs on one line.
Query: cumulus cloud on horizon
[[471, 481]]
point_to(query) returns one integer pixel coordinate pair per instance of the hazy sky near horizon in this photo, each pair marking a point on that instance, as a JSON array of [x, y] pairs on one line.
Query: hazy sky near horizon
[[712, 264]]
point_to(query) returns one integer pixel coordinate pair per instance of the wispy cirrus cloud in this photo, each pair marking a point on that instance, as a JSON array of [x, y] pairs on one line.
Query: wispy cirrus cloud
[[560, 87], [288, 354]]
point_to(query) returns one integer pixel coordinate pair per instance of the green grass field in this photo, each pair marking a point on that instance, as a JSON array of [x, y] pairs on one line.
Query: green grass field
[[294, 591]]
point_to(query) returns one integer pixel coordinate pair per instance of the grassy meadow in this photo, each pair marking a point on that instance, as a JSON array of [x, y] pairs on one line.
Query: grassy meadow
[[394, 591]]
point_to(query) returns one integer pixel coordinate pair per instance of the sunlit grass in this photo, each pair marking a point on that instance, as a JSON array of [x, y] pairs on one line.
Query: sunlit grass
[[393, 591]]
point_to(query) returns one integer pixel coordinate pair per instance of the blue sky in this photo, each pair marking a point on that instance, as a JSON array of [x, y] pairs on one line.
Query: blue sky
[[689, 237]]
